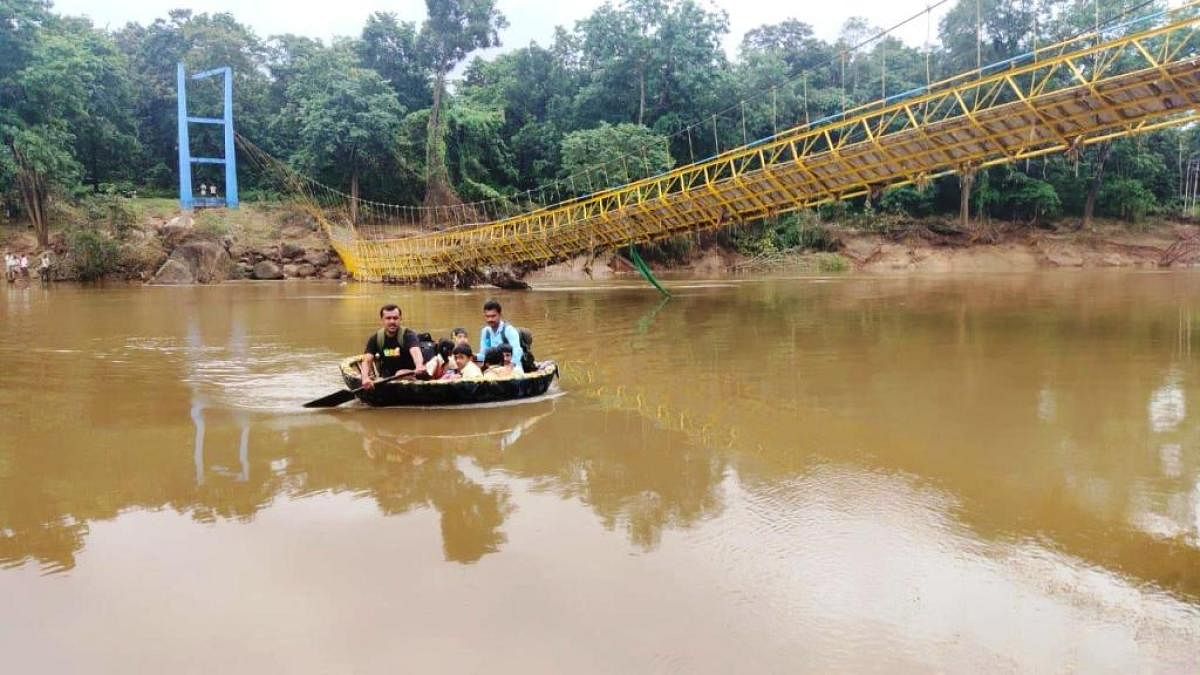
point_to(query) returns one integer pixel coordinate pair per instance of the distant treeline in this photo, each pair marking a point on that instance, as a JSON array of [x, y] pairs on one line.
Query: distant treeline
[[84, 109]]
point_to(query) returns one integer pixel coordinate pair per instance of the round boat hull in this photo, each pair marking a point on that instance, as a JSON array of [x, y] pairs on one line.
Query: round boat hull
[[451, 392]]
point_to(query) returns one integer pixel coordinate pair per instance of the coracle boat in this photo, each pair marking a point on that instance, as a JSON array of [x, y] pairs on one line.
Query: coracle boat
[[450, 392]]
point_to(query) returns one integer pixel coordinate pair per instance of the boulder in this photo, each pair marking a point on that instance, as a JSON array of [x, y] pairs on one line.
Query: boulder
[[244, 271], [332, 272], [267, 270], [289, 270], [305, 270], [174, 272], [205, 260], [290, 250], [317, 258], [176, 231], [505, 278]]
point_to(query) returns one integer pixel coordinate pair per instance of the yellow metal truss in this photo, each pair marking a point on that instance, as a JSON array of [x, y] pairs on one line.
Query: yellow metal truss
[[1059, 99]]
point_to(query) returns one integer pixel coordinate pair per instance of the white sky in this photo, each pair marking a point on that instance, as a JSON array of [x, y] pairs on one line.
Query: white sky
[[528, 19]]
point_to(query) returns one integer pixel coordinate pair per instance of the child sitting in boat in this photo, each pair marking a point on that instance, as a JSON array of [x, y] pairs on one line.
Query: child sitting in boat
[[464, 358], [442, 361], [498, 363]]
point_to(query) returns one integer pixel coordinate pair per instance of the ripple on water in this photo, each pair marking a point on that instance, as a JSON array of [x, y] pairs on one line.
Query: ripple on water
[[266, 376], [268, 380], [871, 568]]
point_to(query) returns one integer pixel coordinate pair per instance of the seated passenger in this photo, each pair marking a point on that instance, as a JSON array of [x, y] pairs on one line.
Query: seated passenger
[[460, 337], [463, 358], [442, 361], [498, 363]]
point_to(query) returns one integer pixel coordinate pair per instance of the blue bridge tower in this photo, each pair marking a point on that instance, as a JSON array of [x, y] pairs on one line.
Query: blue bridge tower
[[187, 197]]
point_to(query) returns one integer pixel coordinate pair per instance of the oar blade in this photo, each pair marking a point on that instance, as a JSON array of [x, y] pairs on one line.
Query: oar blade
[[332, 400]]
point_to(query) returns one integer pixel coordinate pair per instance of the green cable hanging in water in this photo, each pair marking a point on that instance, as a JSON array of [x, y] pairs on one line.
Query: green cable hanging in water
[[642, 267]]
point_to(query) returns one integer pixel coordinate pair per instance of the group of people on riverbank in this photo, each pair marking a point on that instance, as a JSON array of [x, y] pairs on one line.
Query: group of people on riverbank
[[16, 267], [395, 349]]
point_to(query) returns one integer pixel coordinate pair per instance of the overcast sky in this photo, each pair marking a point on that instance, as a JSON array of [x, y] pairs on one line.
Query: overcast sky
[[528, 19]]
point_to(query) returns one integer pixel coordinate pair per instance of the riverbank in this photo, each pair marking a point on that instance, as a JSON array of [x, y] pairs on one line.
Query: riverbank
[[924, 247], [150, 240], [155, 243]]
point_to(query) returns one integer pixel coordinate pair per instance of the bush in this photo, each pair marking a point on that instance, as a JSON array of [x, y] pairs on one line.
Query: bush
[[834, 211], [1126, 198], [111, 208], [137, 256], [94, 254], [677, 249], [1026, 198], [907, 201], [831, 262], [785, 233]]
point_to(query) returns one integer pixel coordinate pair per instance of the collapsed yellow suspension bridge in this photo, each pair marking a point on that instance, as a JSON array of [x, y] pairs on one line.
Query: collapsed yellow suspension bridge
[[1058, 99]]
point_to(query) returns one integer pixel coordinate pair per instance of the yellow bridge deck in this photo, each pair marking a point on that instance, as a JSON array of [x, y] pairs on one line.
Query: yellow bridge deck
[[1060, 99]]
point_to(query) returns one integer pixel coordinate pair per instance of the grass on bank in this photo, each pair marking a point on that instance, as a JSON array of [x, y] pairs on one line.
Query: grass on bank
[[108, 233]]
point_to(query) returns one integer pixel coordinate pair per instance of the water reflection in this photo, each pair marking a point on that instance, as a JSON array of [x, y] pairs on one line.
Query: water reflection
[[1015, 436], [651, 480], [1168, 406]]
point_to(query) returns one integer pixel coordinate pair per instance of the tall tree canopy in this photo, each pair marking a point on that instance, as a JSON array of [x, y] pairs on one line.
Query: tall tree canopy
[[634, 87], [453, 29]]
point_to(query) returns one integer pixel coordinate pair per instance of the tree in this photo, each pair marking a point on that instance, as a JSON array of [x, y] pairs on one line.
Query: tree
[[38, 159], [347, 120], [68, 100], [612, 155], [478, 151], [452, 30], [104, 128], [792, 40], [21, 24], [646, 59], [389, 47], [1101, 155], [533, 89], [975, 35]]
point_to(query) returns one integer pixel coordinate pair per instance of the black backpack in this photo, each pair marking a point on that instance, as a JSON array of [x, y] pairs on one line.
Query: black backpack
[[427, 345], [527, 363]]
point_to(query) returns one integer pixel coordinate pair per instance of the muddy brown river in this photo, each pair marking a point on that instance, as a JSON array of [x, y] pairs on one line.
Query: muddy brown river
[[965, 474]]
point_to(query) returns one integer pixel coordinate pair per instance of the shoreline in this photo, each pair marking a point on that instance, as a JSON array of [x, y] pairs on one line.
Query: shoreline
[[277, 242]]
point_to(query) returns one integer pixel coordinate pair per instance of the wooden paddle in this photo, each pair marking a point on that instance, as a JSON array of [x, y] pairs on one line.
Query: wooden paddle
[[339, 397]]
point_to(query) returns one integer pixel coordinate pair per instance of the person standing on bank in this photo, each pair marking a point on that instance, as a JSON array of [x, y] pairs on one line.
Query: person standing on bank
[[391, 349], [497, 332]]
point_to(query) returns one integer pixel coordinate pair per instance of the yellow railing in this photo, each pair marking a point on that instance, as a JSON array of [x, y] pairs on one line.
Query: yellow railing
[[1059, 99]]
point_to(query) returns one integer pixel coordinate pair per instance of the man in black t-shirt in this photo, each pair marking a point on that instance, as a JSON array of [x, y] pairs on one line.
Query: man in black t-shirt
[[400, 349]]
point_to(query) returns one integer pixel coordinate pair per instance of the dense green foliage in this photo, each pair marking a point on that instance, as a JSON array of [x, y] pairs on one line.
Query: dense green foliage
[[635, 88], [94, 253]]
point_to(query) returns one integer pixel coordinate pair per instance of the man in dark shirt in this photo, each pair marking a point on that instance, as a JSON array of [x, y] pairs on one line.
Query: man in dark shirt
[[400, 349]]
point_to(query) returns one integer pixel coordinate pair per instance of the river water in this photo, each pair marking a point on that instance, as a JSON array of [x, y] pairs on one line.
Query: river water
[[996, 473]]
